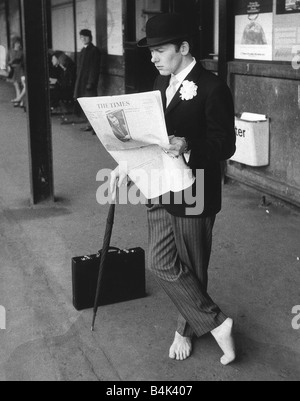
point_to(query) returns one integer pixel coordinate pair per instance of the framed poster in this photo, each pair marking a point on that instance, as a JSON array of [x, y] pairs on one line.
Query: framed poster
[[86, 11], [287, 30], [115, 27], [254, 30], [63, 26], [3, 58], [288, 6]]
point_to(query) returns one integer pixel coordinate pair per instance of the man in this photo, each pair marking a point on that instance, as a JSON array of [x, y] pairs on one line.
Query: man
[[199, 116], [55, 74], [88, 71], [119, 130]]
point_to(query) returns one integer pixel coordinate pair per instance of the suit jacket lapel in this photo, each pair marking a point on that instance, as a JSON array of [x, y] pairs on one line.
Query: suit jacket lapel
[[163, 90], [175, 101], [193, 76]]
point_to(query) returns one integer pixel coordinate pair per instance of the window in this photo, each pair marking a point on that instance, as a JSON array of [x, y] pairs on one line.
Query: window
[[146, 9]]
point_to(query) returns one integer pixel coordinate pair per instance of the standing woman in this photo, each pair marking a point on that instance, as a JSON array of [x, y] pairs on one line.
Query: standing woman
[[16, 61]]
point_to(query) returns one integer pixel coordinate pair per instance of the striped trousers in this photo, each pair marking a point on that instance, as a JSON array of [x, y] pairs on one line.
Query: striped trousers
[[179, 254]]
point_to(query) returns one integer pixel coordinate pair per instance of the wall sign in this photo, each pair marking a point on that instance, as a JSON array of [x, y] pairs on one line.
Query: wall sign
[[115, 27], [254, 30], [86, 11], [3, 57], [288, 6], [287, 30]]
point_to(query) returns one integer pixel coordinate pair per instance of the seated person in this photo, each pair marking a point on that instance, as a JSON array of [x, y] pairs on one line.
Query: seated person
[[63, 79], [55, 73], [67, 79]]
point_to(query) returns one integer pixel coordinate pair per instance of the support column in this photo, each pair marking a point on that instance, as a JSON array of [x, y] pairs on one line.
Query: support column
[[226, 39], [34, 17]]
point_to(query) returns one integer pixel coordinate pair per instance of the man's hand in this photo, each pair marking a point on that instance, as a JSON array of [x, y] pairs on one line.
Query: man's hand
[[89, 87], [118, 178], [177, 147]]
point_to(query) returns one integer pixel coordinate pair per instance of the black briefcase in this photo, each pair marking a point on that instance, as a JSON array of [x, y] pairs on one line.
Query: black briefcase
[[124, 278]]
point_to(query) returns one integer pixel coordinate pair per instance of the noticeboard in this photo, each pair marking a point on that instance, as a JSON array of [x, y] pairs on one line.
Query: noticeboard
[[254, 30], [267, 30], [115, 27], [287, 30]]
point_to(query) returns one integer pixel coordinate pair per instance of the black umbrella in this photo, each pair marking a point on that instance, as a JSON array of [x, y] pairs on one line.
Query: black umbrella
[[104, 252]]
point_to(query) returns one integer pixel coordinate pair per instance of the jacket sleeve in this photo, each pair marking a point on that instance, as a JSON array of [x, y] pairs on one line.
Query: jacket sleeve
[[218, 143]]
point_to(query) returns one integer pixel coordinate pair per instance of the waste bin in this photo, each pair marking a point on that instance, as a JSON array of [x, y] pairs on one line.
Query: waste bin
[[253, 140]]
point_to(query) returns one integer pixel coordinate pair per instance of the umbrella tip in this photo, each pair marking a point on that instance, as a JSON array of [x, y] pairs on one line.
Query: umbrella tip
[[93, 324]]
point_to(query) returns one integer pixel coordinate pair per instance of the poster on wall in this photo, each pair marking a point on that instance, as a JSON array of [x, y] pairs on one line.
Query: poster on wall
[[287, 30], [3, 58], [85, 15], [115, 27], [254, 30], [288, 6]]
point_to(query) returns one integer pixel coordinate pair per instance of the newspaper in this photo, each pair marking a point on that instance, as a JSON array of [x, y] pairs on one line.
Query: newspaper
[[132, 128]]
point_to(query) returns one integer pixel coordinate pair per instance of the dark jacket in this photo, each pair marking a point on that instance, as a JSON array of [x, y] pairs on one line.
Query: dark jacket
[[207, 122], [88, 72], [67, 79]]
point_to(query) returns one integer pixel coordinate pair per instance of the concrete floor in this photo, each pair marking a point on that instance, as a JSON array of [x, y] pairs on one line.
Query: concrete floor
[[254, 277]]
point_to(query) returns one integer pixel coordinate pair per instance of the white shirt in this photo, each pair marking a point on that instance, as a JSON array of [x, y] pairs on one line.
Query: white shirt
[[183, 74]]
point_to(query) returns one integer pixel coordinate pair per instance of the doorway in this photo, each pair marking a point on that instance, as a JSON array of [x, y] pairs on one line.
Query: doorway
[[139, 73]]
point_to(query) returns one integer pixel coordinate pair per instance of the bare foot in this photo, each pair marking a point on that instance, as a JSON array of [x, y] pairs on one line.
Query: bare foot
[[181, 348], [224, 337]]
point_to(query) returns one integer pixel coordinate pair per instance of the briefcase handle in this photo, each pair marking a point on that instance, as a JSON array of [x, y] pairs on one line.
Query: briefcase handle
[[111, 249], [114, 249]]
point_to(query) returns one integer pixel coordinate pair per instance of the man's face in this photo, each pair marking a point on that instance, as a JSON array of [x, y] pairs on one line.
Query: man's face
[[54, 61], [17, 46], [86, 40], [167, 59], [115, 121]]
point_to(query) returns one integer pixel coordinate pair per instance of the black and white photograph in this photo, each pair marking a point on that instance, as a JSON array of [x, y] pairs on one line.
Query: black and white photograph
[[292, 5], [117, 121], [150, 193], [254, 30], [288, 6]]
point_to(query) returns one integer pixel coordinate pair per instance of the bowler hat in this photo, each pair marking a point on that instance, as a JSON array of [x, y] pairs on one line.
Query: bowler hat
[[163, 29]]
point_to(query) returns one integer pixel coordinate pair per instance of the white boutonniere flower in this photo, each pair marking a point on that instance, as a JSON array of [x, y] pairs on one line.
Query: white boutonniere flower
[[189, 90]]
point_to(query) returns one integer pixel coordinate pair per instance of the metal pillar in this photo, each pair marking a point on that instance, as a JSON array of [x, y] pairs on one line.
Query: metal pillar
[[226, 39], [34, 17]]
